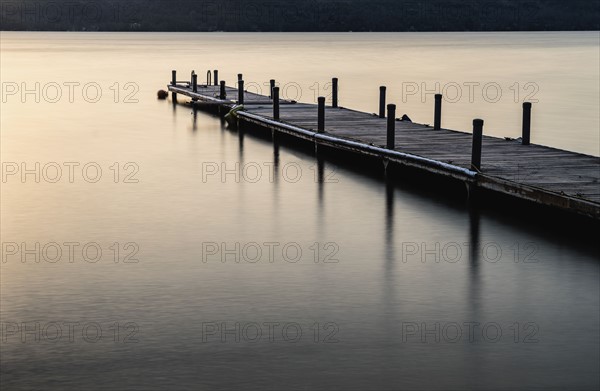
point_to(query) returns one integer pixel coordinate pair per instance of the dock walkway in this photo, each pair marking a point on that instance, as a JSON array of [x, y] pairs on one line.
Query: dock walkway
[[545, 175]]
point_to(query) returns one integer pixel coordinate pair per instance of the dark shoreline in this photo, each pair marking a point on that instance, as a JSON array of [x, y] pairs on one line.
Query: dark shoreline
[[300, 16]]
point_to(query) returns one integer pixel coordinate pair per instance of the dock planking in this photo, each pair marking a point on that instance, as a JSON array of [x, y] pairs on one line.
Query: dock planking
[[545, 175]]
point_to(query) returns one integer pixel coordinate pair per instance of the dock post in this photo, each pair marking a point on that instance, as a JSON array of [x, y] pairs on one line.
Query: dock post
[[240, 77], [437, 117], [216, 76], [195, 82], [526, 123], [173, 77], [271, 87], [276, 103], [321, 116], [241, 92], [382, 90], [391, 126], [223, 92], [477, 140], [334, 96]]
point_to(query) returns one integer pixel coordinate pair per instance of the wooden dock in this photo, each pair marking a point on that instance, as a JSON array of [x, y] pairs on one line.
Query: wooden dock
[[549, 176]]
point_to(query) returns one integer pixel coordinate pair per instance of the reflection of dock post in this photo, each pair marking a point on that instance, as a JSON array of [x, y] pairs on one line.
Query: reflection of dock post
[[320, 169], [474, 243], [320, 176], [241, 140], [389, 205], [389, 223], [275, 156], [195, 119], [275, 149]]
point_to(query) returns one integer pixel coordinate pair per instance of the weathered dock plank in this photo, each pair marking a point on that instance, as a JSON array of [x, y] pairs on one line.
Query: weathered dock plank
[[546, 175]]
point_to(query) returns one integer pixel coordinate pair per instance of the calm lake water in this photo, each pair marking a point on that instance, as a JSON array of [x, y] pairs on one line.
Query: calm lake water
[[153, 247]]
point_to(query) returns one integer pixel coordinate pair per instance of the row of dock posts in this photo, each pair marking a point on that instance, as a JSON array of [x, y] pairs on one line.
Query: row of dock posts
[[476, 148], [274, 95]]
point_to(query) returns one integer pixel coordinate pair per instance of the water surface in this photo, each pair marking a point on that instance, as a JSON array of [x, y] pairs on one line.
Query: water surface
[[380, 262]]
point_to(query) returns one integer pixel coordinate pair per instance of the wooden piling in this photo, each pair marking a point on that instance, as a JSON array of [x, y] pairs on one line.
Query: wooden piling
[[223, 92], [334, 93], [391, 126], [240, 92], [382, 90], [240, 76], [476, 148], [437, 117], [276, 103], [321, 115], [195, 82], [216, 76], [526, 136], [271, 87]]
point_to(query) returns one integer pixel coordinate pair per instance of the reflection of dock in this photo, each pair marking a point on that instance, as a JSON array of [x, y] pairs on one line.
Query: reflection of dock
[[548, 176]]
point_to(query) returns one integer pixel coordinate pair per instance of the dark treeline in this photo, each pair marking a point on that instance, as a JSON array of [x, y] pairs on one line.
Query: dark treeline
[[306, 15]]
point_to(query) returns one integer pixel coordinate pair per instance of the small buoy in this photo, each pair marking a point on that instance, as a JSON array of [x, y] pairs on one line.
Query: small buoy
[[162, 94]]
